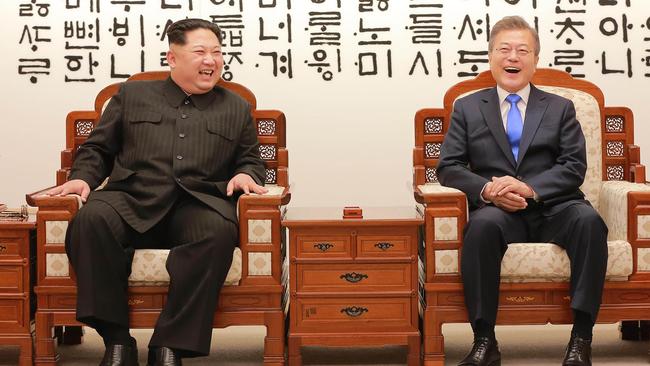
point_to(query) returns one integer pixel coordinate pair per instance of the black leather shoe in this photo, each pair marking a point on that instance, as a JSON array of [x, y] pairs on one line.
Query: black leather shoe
[[578, 352], [484, 352], [163, 356], [120, 355]]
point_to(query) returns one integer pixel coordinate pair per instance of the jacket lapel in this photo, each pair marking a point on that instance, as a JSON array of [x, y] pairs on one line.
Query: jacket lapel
[[491, 111], [535, 110]]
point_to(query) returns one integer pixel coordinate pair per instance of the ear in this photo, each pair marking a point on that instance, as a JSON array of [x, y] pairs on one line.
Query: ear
[[171, 59]]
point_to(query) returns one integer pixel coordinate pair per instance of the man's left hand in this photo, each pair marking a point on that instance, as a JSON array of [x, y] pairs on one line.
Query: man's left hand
[[244, 182], [502, 185]]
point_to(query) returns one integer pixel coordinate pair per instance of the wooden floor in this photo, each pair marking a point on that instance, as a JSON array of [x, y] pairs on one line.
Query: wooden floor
[[520, 345]]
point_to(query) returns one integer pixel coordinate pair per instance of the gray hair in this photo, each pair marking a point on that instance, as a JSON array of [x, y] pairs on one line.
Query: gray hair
[[512, 23]]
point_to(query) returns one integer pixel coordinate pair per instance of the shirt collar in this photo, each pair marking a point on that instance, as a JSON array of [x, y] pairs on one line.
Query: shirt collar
[[523, 93], [175, 96]]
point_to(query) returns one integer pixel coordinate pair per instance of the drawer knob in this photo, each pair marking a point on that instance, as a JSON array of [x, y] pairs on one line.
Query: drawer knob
[[323, 247], [353, 277], [3, 248], [384, 245], [354, 311]]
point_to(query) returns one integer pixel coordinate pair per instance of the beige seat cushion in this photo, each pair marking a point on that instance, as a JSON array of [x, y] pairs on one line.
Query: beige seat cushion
[[545, 262], [148, 268]]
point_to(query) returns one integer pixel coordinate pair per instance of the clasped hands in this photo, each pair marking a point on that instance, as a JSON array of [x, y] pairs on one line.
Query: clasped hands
[[508, 193], [240, 182]]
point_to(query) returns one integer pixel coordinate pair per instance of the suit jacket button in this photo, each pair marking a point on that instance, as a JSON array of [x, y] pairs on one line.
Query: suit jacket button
[[181, 135], [179, 157], [183, 116]]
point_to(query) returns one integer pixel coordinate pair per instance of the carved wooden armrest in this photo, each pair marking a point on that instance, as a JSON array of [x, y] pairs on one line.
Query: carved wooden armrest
[[445, 215], [260, 236]]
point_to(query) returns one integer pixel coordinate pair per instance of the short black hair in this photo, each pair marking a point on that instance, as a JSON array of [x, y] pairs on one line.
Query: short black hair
[[176, 31]]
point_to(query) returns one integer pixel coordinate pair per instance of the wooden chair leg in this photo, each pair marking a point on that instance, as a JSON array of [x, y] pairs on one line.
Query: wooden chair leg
[[45, 347], [26, 357], [295, 357], [274, 342], [413, 358], [434, 341]]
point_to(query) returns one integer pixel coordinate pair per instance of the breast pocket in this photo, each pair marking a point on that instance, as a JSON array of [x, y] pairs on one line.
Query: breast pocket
[[221, 129], [137, 117]]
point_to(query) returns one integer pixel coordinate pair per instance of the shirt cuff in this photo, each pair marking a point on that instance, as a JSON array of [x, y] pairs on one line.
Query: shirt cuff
[[481, 194]]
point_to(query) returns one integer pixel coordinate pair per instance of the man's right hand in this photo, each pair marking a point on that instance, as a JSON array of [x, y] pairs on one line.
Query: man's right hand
[[510, 201], [75, 186]]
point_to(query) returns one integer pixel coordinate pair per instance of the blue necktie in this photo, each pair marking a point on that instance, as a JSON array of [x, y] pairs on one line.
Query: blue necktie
[[514, 125]]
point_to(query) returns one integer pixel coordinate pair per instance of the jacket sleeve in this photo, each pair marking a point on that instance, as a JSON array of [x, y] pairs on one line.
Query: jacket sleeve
[[568, 172], [94, 159], [247, 155], [453, 167]]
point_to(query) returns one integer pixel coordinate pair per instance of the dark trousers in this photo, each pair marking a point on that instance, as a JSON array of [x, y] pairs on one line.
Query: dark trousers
[[100, 246], [578, 229]]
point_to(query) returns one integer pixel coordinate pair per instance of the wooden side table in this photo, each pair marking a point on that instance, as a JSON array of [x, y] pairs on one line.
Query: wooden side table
[[17, 248], [353, 282]]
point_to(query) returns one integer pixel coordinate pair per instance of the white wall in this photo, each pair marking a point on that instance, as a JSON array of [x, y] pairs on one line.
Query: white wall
[[349, 139]]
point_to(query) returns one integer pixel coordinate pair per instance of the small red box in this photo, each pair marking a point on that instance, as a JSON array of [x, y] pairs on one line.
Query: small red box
[[352, 212]]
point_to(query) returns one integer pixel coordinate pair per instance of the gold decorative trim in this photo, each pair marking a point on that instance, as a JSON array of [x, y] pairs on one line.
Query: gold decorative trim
[[135, 302], [520, 299]]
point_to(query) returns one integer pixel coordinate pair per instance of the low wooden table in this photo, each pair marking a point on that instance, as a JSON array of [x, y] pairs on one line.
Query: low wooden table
[[353, 282], [17, 246]]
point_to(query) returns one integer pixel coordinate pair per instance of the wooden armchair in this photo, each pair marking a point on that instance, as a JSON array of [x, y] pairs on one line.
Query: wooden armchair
[[254, 292], [534, 283]]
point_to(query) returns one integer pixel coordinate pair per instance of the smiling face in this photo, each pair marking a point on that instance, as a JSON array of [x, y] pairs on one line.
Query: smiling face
[[196, 66], [513, 59]]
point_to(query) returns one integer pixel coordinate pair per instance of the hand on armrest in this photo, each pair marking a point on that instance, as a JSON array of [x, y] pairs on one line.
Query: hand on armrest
[[244, 182], [75, 186]]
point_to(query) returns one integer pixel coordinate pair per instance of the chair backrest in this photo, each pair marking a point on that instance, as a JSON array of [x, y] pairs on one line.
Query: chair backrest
[[609, 131], [270, 129]]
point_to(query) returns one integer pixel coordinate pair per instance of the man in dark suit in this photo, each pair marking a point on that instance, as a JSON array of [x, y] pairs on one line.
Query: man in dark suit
[[175, 151], [519, 155]]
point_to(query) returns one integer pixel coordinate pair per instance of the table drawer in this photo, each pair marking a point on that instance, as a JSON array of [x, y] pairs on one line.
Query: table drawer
[[354, 277], [353, 314], [320, 246], [12, 315], [11, 248], [383, 246], [11, 279]]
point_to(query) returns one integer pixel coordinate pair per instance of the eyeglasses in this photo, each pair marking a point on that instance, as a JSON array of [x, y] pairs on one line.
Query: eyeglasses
[[521, 51]]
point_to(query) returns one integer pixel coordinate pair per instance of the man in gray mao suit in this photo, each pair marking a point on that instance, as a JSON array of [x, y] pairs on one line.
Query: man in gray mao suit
[[175, 151], [519, 155]]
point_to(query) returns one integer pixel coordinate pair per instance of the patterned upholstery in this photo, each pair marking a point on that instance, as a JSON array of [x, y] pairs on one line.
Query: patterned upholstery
[[613, 208], [544, 262], [148, 268], [643, 256]]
